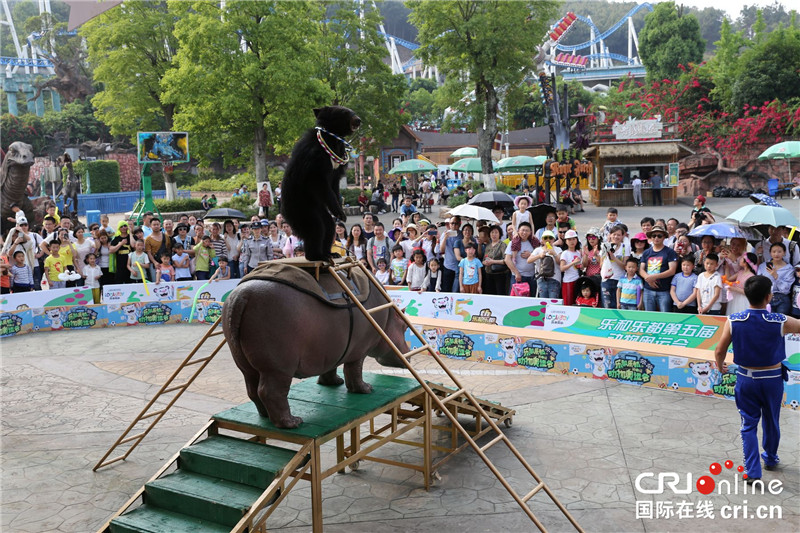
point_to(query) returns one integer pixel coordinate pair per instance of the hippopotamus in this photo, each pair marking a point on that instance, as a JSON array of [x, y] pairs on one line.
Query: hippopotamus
[[276, 333]]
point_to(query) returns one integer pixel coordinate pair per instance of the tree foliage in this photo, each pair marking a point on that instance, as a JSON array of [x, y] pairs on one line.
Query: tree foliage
[[483, 48], [353, 66], [131, 48], [669, 39], [247, 78]]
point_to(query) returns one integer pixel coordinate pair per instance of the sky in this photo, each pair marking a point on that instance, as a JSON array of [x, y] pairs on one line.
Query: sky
[[732, 7]]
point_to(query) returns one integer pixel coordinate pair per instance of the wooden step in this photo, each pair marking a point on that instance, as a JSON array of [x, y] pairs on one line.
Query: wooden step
[[237, 460], [204, 497], [149, 519]]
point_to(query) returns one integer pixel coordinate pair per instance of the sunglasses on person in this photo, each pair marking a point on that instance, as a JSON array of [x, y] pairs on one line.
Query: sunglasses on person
[[658, 236], [548, 239]]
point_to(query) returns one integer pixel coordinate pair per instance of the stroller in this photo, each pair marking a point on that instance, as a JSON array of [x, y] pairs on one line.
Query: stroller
[[592, 299]]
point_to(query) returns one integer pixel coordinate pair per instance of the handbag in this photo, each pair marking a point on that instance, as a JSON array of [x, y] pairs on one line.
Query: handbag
[[520, 289], [498, 269]]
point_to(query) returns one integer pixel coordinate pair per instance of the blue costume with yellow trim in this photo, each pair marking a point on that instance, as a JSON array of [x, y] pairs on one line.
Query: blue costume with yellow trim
[[758, 341]]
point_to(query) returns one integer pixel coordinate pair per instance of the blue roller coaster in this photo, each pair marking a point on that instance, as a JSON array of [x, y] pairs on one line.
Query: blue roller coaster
[[600, 66]]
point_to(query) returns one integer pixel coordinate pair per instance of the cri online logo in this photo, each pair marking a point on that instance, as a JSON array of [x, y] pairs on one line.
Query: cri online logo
[[705, 484]]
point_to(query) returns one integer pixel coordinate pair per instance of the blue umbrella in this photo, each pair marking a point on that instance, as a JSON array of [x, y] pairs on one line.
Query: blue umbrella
[[764, 215], [765, 199], [723, 231]]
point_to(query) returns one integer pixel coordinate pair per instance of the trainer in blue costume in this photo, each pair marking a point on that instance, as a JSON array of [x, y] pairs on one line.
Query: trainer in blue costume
[[758, 350]]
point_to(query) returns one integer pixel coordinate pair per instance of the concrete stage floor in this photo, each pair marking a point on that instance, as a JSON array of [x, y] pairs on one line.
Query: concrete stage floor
[[67, 396]]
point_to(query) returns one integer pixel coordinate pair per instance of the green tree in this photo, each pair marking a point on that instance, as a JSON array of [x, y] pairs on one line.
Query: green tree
[[669, 39], [769, 70], [131, 48], [724, 66], [247, 77], [481, 47], [353, 53]]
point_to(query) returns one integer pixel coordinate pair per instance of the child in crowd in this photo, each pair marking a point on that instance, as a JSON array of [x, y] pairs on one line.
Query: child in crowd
[[434, 276], [682, 290], [630, 287], [137, 258], [589, 295], [570, 261], [104, 225], [19, 215], [470, 274], [639, 245], [382, 274], [737, 301], [399, 265], [417, 275], [138, 233], [92, 273], [203, 254], [5, 277], [181, 260], [611, 221], [165, 270], [52, 211], [53, 266], [223, 271], [562, 215], [21, 274], [708, 287]]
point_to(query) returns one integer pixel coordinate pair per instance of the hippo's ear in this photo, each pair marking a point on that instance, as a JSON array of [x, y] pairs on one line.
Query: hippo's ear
[[317, 111]]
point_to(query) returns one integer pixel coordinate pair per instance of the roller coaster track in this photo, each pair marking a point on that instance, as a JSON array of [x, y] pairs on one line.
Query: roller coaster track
[[602, 36]]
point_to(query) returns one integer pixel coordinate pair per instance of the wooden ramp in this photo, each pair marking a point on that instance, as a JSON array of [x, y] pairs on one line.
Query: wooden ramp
[[341, 418]]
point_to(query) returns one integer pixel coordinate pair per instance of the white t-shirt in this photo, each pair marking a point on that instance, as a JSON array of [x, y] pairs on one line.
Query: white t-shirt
[[611, 269], [523, 217], [90, 273], [572, 273], [525, 269], [705, 288]]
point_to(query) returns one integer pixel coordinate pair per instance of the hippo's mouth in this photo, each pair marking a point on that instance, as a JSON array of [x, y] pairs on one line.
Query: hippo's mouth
[[355, 123]]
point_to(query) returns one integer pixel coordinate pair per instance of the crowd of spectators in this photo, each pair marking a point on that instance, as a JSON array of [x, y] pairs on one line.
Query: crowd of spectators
[[655, 267]]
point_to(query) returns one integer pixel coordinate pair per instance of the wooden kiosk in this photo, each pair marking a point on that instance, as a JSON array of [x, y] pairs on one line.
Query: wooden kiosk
[[633, 149]]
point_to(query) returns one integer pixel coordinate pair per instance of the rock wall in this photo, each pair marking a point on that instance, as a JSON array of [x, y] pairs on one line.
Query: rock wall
[[128, 171], [752, 173]]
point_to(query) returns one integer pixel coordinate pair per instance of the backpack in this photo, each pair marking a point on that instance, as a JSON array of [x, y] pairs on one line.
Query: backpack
[[547, 267]]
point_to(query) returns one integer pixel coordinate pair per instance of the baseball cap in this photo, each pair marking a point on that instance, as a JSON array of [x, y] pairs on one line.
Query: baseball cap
[[548, 233], [264, 222], [22, 220], [701, 198]]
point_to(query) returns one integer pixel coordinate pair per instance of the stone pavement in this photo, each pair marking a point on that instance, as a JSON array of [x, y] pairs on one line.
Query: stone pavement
[[67, 396]]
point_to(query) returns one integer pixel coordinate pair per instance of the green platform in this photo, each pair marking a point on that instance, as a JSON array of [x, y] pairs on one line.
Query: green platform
[[324, 409]]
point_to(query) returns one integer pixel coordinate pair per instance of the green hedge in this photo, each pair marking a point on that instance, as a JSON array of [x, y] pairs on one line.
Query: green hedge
[[179, 205], [103, 174], [350, 195]]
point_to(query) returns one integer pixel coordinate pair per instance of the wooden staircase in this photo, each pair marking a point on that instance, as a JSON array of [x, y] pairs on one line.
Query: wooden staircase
[[220, 484]]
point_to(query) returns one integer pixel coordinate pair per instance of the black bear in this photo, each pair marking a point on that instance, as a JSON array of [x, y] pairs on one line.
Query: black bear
[[310, 192]]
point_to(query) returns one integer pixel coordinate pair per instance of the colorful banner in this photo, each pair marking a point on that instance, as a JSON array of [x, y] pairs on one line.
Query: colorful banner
[[673, 329], [590, 360], [51, 298], [169, 290], [481, 308]]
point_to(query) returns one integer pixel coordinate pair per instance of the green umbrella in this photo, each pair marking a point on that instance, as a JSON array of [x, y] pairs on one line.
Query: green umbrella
[[520, 163], [784, 150], [467, 151], [412, 166], [758, 214], [469, 164]]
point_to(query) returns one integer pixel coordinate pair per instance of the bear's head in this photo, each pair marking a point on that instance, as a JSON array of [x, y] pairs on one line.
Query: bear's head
[[337, 119]]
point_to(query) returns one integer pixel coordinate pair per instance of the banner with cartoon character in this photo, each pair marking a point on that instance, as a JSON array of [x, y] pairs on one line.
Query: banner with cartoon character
[[145, 313], [16, 323], [166, 291], [69, 317], [480, 308], [643, 368], [51, 298], [672, 329]]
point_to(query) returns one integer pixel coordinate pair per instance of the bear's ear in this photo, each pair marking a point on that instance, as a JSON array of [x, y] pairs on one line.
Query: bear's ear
[[317, 111]]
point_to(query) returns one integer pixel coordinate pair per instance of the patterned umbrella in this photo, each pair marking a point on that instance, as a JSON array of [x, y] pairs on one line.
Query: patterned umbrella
[[469, 164], [412, 166], [765, 199], [723, 231], [467, 151]]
